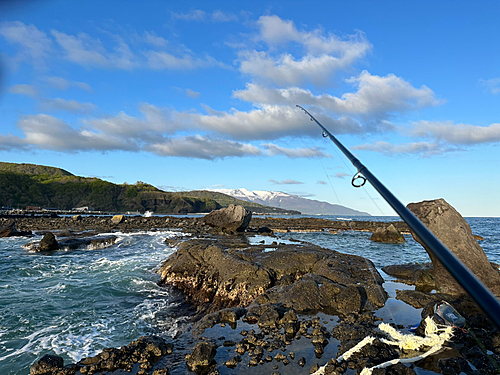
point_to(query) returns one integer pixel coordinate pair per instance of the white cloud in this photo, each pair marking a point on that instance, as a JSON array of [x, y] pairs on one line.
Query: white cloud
[[202, 148], [457, 134], [155, 40], [384, 94], [270, 122], [156, 121], [59, 104], [492, 84], [376, 96], [193, 15], [63, 84], [341, 175], [164, 60], [324, 55], [26, 90], [34, 44], [312, 152], [192, 94], [220, 16], [201, 15], [321, 182], [424, 148], [49, 133], [288, 181]]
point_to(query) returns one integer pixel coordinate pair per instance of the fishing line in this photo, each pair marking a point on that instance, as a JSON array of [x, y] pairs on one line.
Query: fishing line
[[474, 287], [351, 172]]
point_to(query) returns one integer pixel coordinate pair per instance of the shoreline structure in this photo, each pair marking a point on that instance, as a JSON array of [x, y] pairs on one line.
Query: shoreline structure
[[275, 298]]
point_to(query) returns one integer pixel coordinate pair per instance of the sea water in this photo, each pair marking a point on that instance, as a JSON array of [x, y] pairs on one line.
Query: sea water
[[75, 303]]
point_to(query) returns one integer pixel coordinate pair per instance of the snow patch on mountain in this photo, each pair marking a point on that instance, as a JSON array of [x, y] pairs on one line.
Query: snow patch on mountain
[[290, 202]]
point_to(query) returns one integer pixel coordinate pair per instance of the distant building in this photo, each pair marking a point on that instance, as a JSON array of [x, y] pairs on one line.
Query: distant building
[[33, 208]]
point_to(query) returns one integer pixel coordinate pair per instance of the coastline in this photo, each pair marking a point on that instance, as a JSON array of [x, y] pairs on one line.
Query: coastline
[[184, 342]]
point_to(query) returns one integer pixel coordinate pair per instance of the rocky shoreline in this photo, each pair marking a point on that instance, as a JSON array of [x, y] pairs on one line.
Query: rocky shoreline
[[285, 308]]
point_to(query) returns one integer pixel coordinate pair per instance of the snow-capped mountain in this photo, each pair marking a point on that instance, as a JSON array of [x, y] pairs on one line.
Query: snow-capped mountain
[[290, 202]]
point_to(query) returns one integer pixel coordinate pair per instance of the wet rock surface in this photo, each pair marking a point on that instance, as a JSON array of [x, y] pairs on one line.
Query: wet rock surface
[[230, 272]]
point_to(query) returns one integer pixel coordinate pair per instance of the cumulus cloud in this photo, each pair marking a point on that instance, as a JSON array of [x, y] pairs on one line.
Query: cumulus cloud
[[375, 96], [34, 44], [323, 57], [59, 104], [288, 181], [64, 84], [200, 147], [270, 122], [312, 152], [26, 90], [457, 134], [49, 133], [493, 84]]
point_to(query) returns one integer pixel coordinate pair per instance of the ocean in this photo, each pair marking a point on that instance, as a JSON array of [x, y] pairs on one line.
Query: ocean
[[75, 303]]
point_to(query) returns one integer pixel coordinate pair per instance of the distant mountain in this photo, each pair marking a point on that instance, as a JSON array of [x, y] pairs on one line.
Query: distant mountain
[[225, 200], [291, 202]]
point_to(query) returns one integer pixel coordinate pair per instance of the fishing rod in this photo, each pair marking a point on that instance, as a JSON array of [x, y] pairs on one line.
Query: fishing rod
[[467, 280]]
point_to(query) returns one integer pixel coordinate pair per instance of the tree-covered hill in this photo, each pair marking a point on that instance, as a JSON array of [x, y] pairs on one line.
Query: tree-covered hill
[[24, 185]]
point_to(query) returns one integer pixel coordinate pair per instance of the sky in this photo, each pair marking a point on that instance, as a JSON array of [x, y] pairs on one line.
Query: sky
[[202, 95]]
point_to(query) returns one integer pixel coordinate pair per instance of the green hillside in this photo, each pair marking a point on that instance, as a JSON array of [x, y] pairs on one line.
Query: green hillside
[[24, 185], [225, 200]]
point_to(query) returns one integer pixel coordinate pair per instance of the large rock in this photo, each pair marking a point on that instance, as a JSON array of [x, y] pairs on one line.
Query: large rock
[[202, 356], [387, 235], [454, 232], [47, 365], [48, 243], [303, 277], [231, 219]]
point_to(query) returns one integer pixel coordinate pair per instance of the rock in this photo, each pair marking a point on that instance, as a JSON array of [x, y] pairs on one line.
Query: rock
[[47, 365], [48, 243], [10, 230], [217, 276], [117, 219], [387, 235], [202, 356], [420, 275], [231, 219], [454, 232], [211, 275], [77, 218]]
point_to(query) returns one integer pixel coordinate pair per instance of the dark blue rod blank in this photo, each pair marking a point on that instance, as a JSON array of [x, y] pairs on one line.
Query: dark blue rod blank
[[467, 280]]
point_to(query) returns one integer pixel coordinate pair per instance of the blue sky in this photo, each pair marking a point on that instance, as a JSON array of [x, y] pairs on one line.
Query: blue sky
[[200, 95]]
